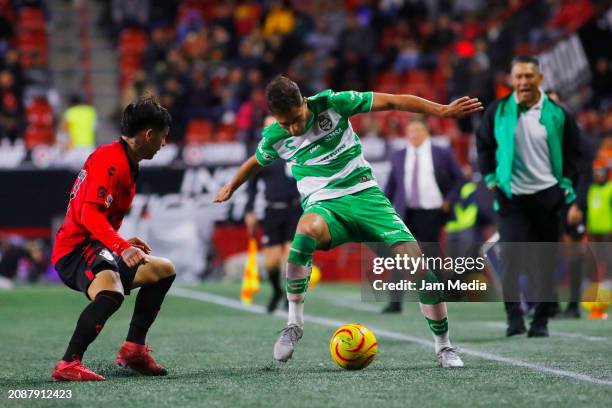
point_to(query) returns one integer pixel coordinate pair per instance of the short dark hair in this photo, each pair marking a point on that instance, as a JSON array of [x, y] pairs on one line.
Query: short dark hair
[[526, 59], [282, 95], [142, 114]]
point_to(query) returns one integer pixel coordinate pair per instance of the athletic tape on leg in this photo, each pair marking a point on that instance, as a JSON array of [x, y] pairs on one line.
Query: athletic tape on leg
[[302, 249]]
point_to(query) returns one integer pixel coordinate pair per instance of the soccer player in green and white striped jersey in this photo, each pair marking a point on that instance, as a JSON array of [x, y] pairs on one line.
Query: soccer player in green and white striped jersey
[[341, 199]]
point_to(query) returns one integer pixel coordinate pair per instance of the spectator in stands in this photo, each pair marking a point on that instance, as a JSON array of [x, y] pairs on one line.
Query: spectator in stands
[[79, 124], [133, 13], [358, 38], [10, 108], [40, 127], [601, 84], [322, 40], [246, 17], [250, 118], [308, 72], [156, 50], [280, 19]]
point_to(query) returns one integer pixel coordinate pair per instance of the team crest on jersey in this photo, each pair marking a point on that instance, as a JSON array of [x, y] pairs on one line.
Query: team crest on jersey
[[325, 122], [106, 255]]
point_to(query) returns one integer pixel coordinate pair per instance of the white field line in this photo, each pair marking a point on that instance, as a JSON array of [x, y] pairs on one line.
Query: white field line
[[500, 325], [356, 304], [236, 304]]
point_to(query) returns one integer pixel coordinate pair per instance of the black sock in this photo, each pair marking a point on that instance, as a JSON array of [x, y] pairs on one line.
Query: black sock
[[274, 276], [91, 322], [147, 306]]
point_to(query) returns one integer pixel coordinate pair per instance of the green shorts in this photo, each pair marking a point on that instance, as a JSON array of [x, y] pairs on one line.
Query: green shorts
[[365, 216]]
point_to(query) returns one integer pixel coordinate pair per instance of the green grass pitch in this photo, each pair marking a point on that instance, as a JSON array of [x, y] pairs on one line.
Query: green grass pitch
[[222, 356]]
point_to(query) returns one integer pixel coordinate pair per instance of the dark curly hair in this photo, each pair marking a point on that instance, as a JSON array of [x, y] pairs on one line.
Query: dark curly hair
[[282, 95], [143, 114]]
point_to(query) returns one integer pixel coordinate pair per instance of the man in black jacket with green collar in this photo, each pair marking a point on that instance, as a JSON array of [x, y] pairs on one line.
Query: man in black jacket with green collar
[[528, 151]]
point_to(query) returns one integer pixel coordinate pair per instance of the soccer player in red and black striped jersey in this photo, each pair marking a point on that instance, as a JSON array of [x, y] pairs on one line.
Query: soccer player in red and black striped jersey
[[91, 257]]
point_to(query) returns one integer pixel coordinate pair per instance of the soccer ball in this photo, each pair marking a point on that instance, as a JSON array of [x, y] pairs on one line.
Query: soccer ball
[[353, 347]]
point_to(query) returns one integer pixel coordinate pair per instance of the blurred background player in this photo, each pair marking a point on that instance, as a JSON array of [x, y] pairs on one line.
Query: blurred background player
[[341, 199], [79, 124], [282, 212], [423, 186], [91, 257], [528, 151]]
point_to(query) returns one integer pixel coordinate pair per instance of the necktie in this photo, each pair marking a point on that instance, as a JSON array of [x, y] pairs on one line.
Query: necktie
[[413, 202]]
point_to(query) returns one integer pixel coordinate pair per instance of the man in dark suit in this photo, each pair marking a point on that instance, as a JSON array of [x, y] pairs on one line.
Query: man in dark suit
[[424, 183]]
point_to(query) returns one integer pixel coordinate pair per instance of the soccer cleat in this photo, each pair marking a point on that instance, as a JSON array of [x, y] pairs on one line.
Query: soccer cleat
[[283, 348], [449, 358], [538, 331], [516, 327], [74, 371], [393, 307], [572, 311], [138, 358]]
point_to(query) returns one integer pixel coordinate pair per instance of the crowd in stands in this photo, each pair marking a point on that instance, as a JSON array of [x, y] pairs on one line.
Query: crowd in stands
[[26, 111], [209, 61]]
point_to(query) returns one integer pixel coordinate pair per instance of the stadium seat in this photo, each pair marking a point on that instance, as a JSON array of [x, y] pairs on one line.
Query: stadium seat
[[199, 131]]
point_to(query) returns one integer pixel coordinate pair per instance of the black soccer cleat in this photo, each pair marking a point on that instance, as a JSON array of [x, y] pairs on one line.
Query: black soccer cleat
[[516, 327], [538, 331]]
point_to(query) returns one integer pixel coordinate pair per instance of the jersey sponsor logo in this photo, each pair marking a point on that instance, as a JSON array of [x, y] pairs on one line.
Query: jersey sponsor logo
[[333, 134], [106, 255], [325, 122], [334, 153], [289, 144]]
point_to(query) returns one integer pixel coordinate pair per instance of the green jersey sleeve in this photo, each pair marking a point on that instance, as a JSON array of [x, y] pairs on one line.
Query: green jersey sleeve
[[265, 152], [349, 103]]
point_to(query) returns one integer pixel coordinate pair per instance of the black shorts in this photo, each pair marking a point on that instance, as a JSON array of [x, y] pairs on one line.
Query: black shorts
[[279, 225], [78, 269]]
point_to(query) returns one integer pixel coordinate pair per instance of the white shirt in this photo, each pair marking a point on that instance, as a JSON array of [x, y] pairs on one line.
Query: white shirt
[[430, 196], [531, 166]]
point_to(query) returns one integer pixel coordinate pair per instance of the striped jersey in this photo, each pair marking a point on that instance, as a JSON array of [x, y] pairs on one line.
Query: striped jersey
[[326, 161]]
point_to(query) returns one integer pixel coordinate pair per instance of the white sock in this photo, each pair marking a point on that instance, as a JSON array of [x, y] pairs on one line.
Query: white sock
[[296, 313], [442, 341]]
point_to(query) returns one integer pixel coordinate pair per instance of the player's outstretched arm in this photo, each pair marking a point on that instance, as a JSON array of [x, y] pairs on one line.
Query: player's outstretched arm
[[457, 109], [247, 170]]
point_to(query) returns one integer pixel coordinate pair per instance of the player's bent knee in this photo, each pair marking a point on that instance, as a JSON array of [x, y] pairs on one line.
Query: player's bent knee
[[164, 268]]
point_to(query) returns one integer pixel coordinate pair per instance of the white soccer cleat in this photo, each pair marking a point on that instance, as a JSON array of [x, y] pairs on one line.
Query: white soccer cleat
[[449, 358], [283, 348]]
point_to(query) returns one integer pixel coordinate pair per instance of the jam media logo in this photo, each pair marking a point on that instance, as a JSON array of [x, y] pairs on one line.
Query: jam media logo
[[325, 122]]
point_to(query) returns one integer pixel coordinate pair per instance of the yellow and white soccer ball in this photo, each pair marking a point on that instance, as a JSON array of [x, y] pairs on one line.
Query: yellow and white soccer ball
[[353, 347]]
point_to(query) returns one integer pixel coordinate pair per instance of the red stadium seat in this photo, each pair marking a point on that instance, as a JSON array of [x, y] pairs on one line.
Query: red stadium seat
[[225, 133], [199, 131], [31, 19]]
